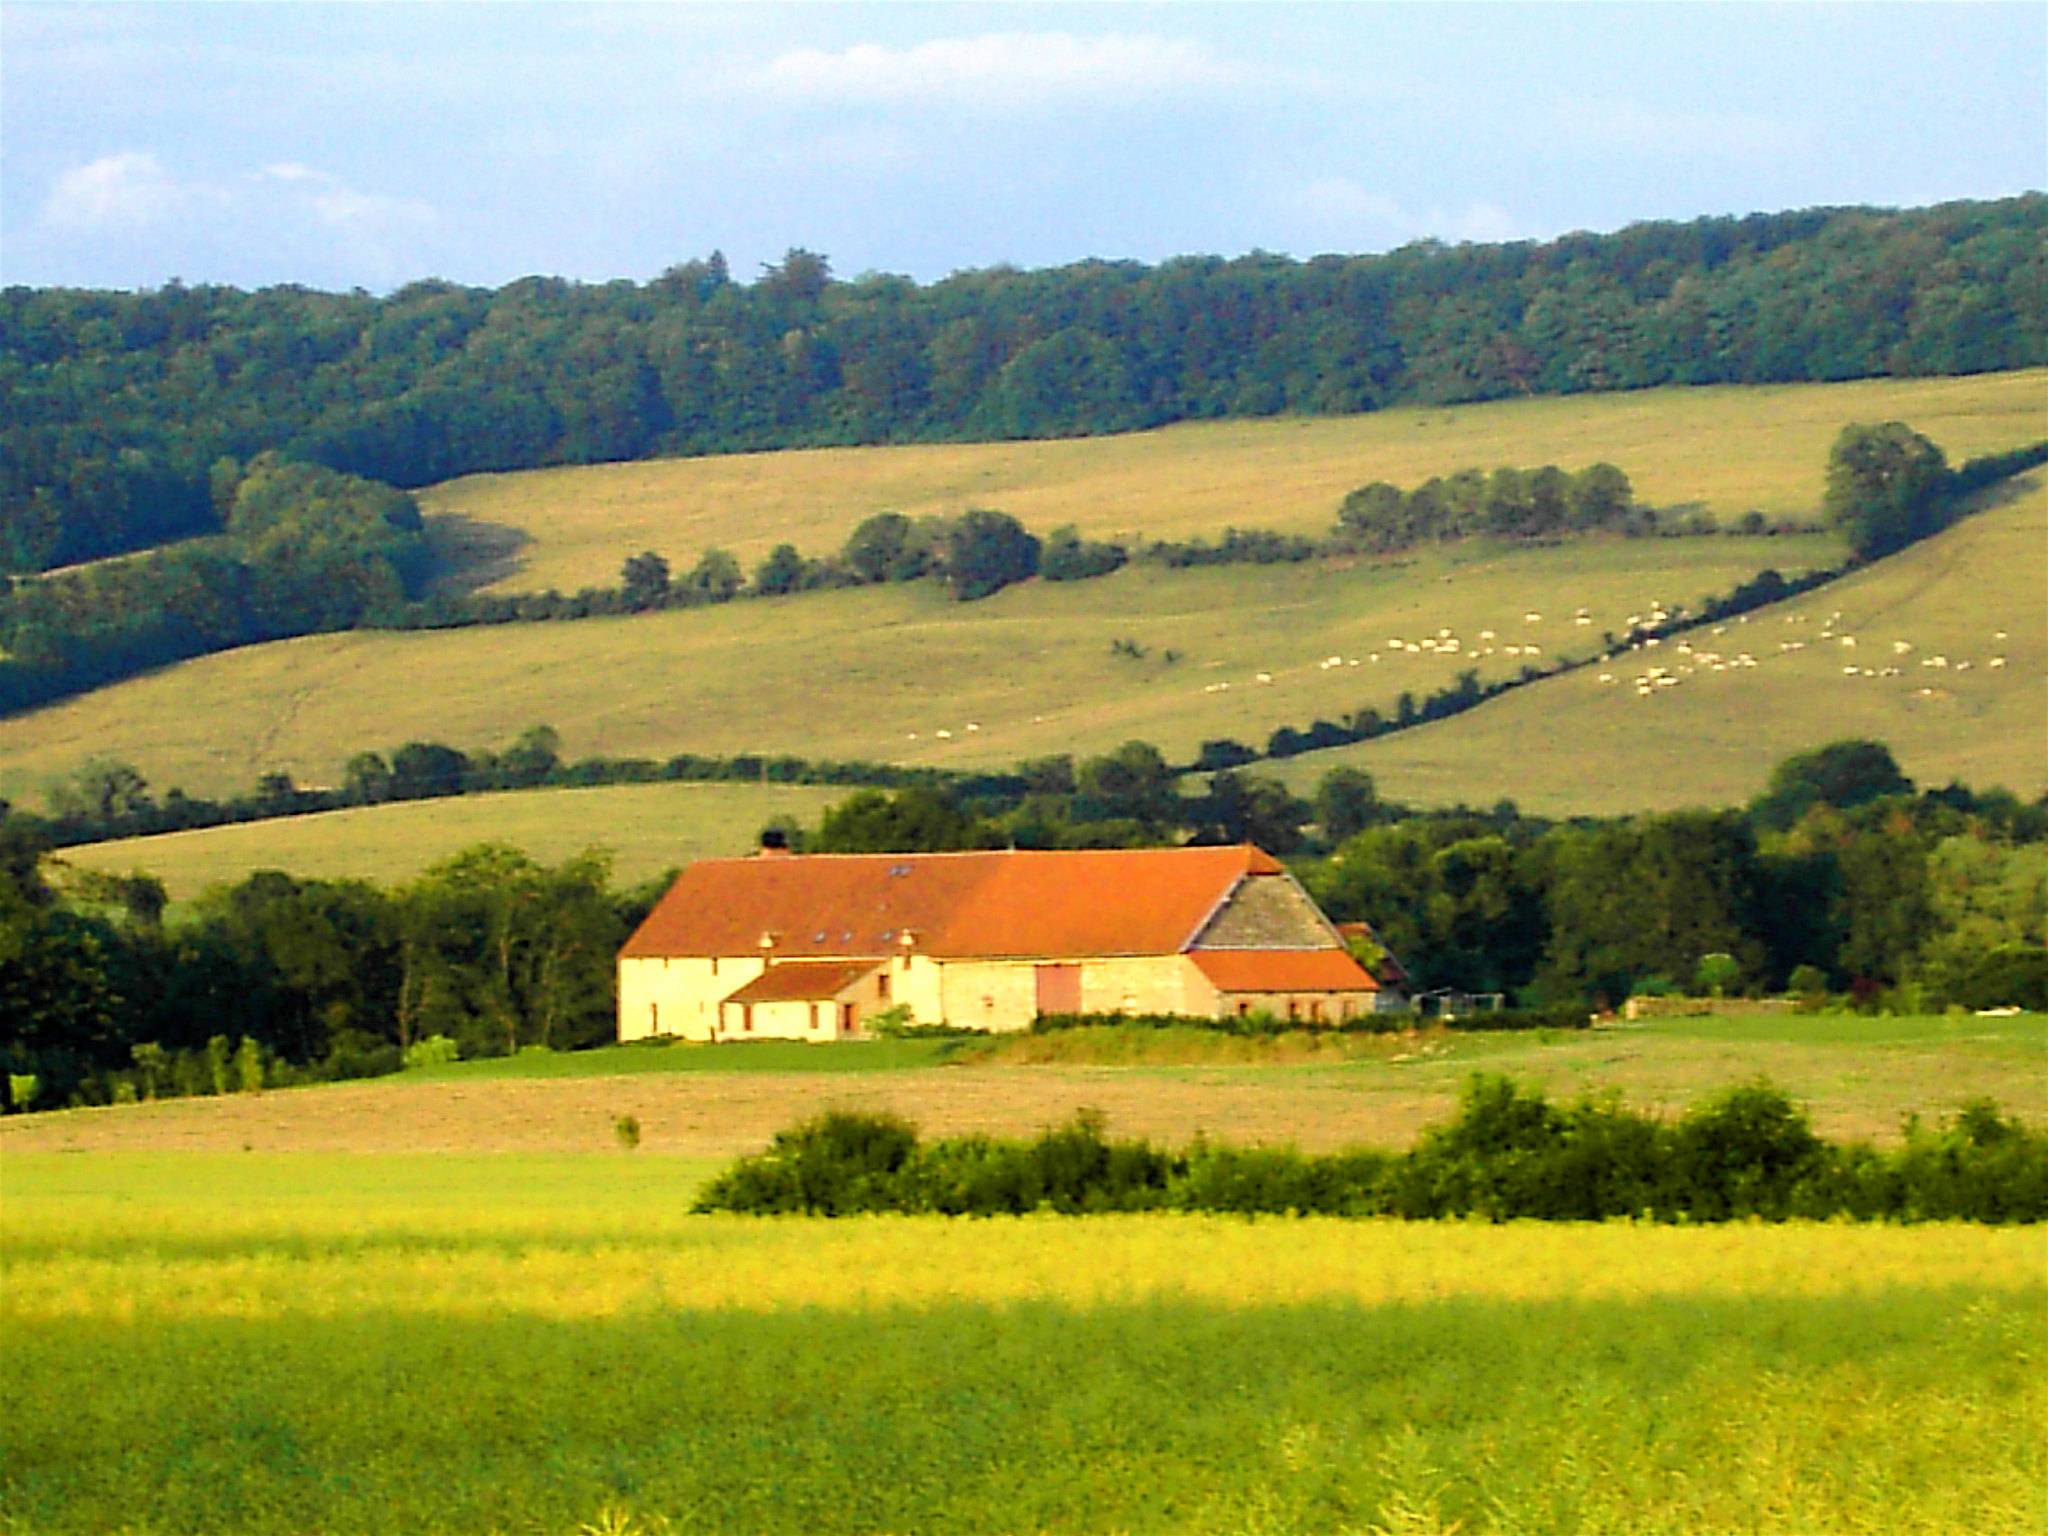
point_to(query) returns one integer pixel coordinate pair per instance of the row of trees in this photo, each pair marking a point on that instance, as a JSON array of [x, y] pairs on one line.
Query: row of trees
[[309, 978], [118, 404], [1840, 875]]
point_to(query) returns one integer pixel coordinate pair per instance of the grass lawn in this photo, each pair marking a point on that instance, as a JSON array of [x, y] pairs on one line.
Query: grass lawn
[[553, 1345], [880, 673], [1726, 449], [1972, 597], [648, 827]]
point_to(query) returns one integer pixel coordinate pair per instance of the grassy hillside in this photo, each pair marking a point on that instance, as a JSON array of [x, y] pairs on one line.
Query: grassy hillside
[[1727, 449], [648, 827], [1975, 596], [880, 672]]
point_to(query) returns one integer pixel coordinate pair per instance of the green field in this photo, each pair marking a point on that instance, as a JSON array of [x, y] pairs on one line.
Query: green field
[[648, 828], [880, 672], [1726, 449], [551, 1345], [1975, 596], [901, 674]]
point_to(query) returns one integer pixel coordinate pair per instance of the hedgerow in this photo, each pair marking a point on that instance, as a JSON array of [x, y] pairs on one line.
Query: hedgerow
[[1509, 1155]]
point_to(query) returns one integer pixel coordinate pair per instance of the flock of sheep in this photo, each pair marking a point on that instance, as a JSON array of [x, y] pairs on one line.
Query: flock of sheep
[[1680, 657]]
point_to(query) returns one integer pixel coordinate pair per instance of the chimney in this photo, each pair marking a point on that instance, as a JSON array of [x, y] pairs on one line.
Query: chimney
[[774, 844]]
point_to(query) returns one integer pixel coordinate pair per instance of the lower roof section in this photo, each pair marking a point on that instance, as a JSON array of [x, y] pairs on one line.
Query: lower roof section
[[1282, 970], [797, 981]]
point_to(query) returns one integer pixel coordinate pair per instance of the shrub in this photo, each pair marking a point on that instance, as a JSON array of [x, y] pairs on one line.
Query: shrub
[[837, 1164], [627, 1129], [432, 1051], [22, 1088], [1508, 1155], [217, 1060], [248, 1065], [1744, 1153]]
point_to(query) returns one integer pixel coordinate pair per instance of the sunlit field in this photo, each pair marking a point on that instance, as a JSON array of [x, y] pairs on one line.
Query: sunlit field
[[1725, 449], [899, 673], [647, 827], [1941, 652], [551, 1344]]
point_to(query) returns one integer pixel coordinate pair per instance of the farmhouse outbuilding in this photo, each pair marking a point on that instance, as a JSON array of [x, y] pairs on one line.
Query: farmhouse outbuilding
[[813, 947]]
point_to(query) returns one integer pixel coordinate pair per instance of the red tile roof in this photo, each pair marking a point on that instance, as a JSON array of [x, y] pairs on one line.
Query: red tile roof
[[1148, 901], [1283, 970], [802, 981]]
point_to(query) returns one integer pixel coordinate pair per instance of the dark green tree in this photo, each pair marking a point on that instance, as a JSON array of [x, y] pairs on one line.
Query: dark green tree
[[1887, 486]]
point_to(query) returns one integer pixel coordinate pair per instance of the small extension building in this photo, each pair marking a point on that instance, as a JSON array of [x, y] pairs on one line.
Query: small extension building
[[809, 947]]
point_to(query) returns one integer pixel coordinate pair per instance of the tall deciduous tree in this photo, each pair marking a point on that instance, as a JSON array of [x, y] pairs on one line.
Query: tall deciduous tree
[[1887, 486]]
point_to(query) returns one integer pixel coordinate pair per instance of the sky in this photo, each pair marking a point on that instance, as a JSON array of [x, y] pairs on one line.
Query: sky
[[368, 145]]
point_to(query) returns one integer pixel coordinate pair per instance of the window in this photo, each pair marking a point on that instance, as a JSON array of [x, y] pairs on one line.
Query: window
[[882, 986], [1293, 1010], [1244, 1008], [654, 1018], [816, 1022], [746, 1018], [1315, 1012], [846, 1018], [714, 965]]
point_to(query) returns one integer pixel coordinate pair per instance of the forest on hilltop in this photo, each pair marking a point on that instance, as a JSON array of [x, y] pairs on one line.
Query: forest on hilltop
[[121, 407]]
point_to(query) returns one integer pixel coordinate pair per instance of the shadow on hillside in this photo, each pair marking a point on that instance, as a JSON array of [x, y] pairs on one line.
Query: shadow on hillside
[[470, 555]]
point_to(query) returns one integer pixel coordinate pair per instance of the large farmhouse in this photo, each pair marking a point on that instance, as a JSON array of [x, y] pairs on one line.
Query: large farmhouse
[[783, 946]]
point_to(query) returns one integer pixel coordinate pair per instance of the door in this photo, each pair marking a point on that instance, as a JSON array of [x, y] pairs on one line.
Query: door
[[1059, 988]]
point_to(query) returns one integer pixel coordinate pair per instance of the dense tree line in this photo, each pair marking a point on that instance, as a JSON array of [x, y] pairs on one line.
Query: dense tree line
[[279, 980], [299, 550], [118, 405], [1840, 878]]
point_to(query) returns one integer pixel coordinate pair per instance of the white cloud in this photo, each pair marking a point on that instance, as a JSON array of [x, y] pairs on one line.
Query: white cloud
[[999, 69], [133, 200], [125, 191]]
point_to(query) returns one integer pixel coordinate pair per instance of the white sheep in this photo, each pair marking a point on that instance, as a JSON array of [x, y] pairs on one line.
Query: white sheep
[[1263, 677], [943, 735]]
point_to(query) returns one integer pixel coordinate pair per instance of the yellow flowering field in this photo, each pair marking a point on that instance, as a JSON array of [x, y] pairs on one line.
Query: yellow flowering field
[[553, 1344]]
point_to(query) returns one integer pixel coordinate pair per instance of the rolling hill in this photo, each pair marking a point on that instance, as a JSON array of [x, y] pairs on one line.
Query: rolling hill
[[896, 673], [1940, 651], [648, 828], [1727, 449], [901, 674]]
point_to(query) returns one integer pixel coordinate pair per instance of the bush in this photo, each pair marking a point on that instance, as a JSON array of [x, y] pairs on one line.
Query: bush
[[1742, 1154], [248, 1065], [1508, 1155], [837, 1164], [432, 1051]]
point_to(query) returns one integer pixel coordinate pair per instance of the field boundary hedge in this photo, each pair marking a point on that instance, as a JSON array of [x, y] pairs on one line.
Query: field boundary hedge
[[1509, 1155]]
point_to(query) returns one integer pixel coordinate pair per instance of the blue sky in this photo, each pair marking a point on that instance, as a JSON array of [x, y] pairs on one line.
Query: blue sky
[[368, 145]]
